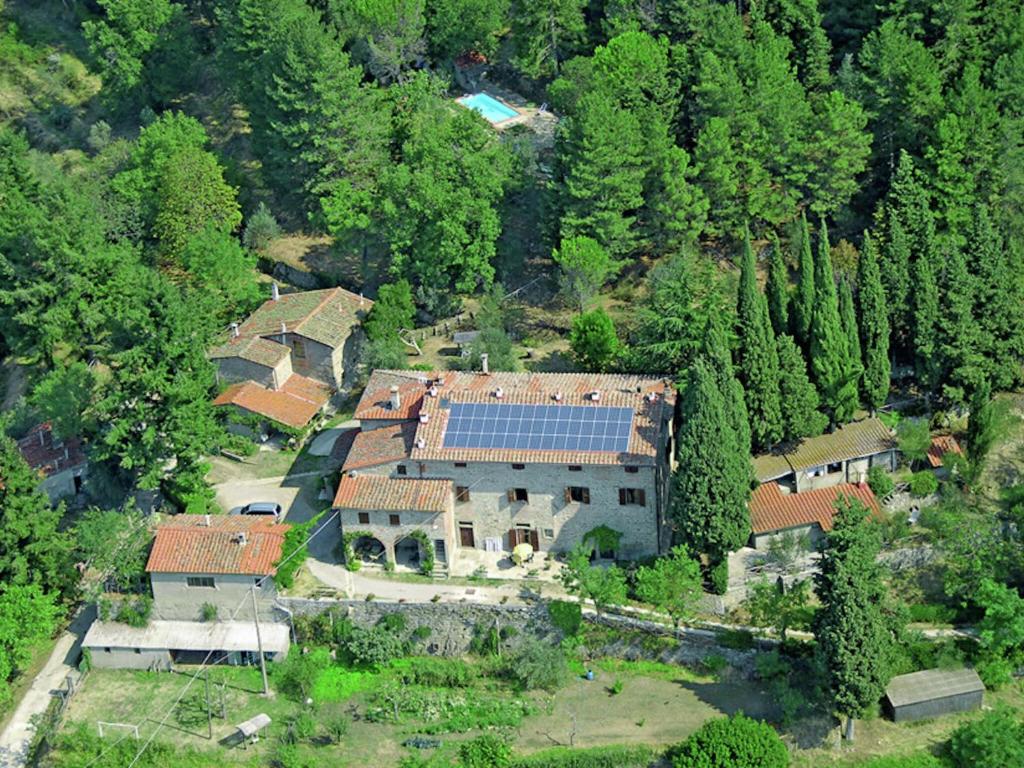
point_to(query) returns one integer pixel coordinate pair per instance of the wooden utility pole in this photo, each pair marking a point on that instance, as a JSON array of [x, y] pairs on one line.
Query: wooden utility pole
[[209, 712], [259, 640]]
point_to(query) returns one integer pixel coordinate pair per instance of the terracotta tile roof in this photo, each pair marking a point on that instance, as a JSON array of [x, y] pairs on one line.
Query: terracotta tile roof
[[47, 454], [326, 316], [773, 510], [298, 401], [941, 445], [186, 544], [377, 492], [380, 446], [653, 401], [851, 441], [254, 349]]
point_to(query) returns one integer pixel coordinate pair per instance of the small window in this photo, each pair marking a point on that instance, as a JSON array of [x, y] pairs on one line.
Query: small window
[[257, 580], [575, 468], [549, 533], [518, 466], [834, 467], [395, 520], [138, 650], [401, 469], [815, 471], [632, 469], [106, 650], [518, 494], [462, 493], [635, 496], [364, 518], [200, 581], [460, 464], [299, 349], [577, 494]]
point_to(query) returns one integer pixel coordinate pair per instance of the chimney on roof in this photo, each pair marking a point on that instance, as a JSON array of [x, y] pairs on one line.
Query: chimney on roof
[[395, 401], [499, 393], [206, 520], [483, 363], [234, 331], [241, 539], [432, 391], [421, 443], [558, 397], [424, 417], [275, 291], [596, 395]]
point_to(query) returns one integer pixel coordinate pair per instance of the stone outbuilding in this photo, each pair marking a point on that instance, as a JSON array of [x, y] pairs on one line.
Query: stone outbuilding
[[776, 511], [61, 464], [933, 692]]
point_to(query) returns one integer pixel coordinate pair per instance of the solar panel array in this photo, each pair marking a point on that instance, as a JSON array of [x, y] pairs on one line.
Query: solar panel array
[[538, 427]]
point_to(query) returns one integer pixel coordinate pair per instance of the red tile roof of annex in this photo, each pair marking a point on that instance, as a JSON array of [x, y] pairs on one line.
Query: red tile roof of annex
[[941, 445], [772, 510], [377, 492], [650, 413], [187, 544], [294, 404], [380, 446], [47, 454]]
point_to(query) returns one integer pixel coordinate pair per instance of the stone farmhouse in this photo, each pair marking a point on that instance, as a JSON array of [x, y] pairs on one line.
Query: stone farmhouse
[[800, 483], [60, 464], [216, 564], [482, 462], [288, 357]]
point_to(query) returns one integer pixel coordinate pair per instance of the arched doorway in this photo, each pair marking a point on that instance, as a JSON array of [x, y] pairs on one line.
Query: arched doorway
[[369, 550], [408, 553]]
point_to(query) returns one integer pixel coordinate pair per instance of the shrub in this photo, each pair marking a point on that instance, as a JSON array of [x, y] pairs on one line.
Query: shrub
[[566, 616], [931, 613], [718, 577], [616, 688], [297, 674], [135, 612], [338, 684], [294, 552], [421, 633], [393, 622], [538, 665], [300, 727], [614, 756], [994, 741], [208, 612], [335, 723], [923, 483], [737, 639], [486, 751], [374, 647], [261, 229], [714, 664], [732, 742], [880, 481], [923, 760]]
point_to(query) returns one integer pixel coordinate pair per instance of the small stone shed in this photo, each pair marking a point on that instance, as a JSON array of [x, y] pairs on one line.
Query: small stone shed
[[933, 692]]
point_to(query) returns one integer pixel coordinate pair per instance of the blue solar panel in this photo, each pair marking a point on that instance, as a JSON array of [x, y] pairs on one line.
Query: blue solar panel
[[538, 427]]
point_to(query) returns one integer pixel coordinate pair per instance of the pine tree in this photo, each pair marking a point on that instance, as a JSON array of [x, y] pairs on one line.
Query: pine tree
[[756, 357], [925, 327], [803, 299], [712, 483], [715, 352], [833, 368], [854, 630], [848, 317], [874, 327], [800, 401], [777, 289], [959, 340]]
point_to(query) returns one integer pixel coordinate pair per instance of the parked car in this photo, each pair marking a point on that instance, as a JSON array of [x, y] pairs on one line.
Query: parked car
[[262, 508]]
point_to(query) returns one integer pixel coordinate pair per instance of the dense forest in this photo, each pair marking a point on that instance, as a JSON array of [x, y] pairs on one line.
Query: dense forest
[[814, 202]]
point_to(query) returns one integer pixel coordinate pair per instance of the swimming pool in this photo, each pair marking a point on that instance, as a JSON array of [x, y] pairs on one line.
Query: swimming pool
[[493, 110]]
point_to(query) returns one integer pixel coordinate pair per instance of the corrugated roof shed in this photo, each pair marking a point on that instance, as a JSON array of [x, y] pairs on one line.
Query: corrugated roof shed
[[932, 684], [850, 441], [188, 636]]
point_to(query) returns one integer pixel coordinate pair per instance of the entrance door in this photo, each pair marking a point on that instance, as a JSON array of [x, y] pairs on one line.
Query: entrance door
[[439, 551], [466, 535]]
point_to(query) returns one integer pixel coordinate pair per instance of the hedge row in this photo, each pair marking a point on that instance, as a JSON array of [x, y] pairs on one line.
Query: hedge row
[[616, 756]]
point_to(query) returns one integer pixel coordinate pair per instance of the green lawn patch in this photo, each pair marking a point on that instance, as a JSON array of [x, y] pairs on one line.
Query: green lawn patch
[[339, 684]]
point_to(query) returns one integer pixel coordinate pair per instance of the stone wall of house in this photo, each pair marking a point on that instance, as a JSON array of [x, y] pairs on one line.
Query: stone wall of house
[[313, 359], [175, 600], [853, 471], [437, 526], [559, 524], [233, 369]]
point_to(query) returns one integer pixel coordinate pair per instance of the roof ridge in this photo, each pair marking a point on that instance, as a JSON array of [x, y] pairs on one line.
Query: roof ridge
[[328, 295]]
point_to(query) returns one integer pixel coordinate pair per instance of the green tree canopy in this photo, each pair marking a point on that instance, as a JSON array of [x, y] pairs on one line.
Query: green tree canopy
[[673, 584], [593, 341], [732, 742], [585, 267]]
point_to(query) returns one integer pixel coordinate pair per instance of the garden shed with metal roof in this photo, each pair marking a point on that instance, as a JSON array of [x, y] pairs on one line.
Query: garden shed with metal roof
[[933, 692]]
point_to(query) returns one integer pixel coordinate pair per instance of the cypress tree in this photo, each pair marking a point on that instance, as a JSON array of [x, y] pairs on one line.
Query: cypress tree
[[854, 630], [874, 327], [777, 289], [715, 352], [803, 300], [895, 270], [925, 327], [959, 339], [833, 368], [712, 484], [848, 317], [756, 356], [800, 401], [1000, 296]]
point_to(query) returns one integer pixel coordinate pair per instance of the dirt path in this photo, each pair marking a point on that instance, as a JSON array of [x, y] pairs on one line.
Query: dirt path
[[16, 737]]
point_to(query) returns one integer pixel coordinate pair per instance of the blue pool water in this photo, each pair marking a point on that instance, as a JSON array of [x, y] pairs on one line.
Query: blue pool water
[[488, 106]]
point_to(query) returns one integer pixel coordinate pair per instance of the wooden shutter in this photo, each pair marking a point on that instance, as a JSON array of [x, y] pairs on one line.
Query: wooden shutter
[[622, 496], [586, 496], [513, 538], [534, 540], [641, 497], [511, 495], [568, 495]]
